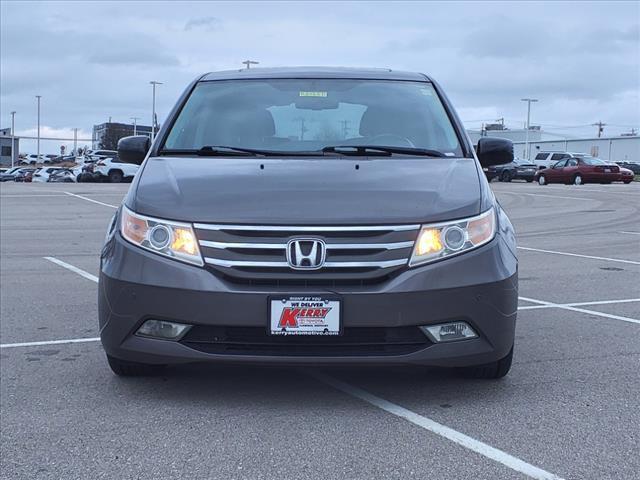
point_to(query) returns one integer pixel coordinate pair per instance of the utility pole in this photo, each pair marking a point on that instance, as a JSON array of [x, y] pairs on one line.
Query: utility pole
[[13, 137], [38, 142], [153, 113], [600, 126], [75, 141], [526, 142], [135, 127], [248, 63], [345, 128]]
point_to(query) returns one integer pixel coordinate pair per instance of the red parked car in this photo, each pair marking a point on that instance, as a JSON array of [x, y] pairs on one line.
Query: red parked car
[[580, 169]]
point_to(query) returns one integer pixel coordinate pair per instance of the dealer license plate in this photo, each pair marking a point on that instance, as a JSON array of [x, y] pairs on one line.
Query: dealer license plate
[[305, 316]]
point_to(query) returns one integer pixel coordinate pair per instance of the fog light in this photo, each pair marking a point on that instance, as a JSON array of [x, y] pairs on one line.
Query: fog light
[[163, 329], [449, 332]]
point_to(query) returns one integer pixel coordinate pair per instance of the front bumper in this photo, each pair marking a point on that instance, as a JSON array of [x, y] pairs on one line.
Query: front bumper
[[479, 287]]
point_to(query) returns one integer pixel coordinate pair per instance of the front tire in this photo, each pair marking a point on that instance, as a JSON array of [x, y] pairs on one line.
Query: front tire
[[542, 180], [493, 370], [122, 368], [505, 176], [577, 179]]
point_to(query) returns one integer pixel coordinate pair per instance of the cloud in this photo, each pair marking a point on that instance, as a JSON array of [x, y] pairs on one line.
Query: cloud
[[580, 59], [204, 23]]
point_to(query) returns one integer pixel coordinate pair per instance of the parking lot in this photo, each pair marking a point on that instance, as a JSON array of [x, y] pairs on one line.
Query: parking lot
[[570, 407]]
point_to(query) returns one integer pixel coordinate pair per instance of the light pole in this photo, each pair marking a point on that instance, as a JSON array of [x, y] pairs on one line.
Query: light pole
[[248, 63], [135, 129], [153, 112], [75, 142], [526, 142], [38, 141], [13, 137]]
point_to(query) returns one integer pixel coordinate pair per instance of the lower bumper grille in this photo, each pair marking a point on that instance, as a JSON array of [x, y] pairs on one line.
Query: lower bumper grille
[[353, 342]]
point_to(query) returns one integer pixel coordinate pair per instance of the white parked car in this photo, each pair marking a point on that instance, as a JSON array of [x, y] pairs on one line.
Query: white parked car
[[549, 159], [115, 170], [32, 159], [43, 174]]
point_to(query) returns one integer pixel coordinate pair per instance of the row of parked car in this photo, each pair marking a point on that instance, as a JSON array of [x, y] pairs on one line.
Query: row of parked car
[[564, 167], [96, 166]]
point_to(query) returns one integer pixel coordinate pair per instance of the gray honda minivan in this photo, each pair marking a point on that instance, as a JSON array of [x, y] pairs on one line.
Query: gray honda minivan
[[318, 216]]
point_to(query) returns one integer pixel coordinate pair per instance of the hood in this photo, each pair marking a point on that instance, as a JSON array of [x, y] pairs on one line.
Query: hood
[[307, 191]]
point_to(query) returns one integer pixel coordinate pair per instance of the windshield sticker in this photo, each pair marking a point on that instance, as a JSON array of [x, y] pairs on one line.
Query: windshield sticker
[[426, 91], [313, 94]]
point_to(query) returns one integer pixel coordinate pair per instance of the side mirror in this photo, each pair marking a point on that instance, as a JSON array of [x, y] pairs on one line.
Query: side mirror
[[494, 151], [133, 149]]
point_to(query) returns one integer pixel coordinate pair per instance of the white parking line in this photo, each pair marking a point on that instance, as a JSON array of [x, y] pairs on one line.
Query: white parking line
[[581, 310], [68, 266], [33, 195], [91, 200], [579, 304], [461, 439], [631, 233], [49, 342], [632, 262], [552, 196]]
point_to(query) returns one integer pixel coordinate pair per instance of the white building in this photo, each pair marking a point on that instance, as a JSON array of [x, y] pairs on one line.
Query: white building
[[615, 149]]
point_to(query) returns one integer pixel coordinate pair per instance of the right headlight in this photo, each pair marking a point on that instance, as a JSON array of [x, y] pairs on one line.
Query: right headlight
[[171, 239], [446, 239]]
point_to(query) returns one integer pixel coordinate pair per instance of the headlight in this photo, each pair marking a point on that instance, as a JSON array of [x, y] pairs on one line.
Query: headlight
[[171, 239], [451, 238]]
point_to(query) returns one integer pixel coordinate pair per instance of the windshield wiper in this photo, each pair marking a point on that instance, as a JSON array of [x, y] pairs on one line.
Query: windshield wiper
[[224, 150], [380, 150]]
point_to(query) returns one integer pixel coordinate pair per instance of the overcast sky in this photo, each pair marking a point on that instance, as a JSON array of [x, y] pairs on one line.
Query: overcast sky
[[92, 61]]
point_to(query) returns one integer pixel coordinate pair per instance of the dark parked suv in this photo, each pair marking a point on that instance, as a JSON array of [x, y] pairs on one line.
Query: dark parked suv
[[310, 216]]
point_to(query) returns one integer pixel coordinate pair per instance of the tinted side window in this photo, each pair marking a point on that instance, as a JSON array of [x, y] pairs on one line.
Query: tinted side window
[[542, 156], [558, 156], [572, 162]]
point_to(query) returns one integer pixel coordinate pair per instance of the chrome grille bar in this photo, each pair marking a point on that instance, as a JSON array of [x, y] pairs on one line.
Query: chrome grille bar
[[329, 246], [288, 228], [260, 264]]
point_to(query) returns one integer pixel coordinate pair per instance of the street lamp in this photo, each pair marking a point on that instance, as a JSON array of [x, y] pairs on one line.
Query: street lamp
[[38, 142], [153, 113], [526, 142], [13, 137], [248, 63], [135, 119]]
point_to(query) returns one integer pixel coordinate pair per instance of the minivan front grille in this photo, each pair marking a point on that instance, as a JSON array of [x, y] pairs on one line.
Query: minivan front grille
[[354, 254]]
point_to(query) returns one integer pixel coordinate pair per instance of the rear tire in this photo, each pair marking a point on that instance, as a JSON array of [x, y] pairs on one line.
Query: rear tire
[[122, 368], [627, 182], [493, 370], [115, 176]]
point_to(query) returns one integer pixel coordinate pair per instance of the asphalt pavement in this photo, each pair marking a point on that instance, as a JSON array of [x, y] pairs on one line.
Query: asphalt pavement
[[569, 408]]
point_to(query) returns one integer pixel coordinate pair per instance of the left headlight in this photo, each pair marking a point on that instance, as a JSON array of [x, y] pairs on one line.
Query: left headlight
[[168, 238], [446, 239]]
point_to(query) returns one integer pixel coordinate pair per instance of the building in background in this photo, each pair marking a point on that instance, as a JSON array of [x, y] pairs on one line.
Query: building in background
[[623, 148], [6, 149], [106, 135]]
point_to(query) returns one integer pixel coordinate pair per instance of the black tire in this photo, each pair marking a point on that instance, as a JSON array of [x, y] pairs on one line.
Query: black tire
[[493, 370], [529, 180], [577, 179], [626, 182], [115, 176], [506, 176], [542, 180], [123, 368]]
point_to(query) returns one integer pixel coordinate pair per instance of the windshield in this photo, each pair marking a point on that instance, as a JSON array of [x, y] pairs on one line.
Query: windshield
[[302, 115]]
